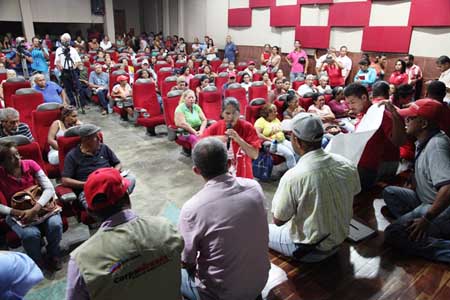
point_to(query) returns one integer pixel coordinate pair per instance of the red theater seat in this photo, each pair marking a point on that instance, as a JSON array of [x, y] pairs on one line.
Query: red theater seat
[[144, 96], [253, 108], [257, 90], [180, 64], [237, 91], [305, 103], [42, 119], [210, 100], [10, 87], [161, 64], [163, 73], [195, 81], [168, 84], [222, 68], [242, 66], [221, 80], [26, 100], [297, 83], [215, 63]]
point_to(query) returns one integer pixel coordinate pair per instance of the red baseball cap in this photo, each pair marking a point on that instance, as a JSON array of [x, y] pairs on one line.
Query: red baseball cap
[[426, 108], [231, 74], [252, 62], [122, 77], [108, 182]]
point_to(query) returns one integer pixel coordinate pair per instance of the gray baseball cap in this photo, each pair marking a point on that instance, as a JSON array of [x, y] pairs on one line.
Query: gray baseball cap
[[88, 129], [307, 127]]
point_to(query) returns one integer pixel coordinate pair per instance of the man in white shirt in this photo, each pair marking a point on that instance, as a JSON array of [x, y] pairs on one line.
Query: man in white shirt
[[346, 61], [443, 64], [67, 61], [308, 87], [313, 205]]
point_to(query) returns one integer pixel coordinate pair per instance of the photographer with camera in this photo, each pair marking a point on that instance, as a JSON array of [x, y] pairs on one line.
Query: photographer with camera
[[40, 57], [67, 61], [21, 58]]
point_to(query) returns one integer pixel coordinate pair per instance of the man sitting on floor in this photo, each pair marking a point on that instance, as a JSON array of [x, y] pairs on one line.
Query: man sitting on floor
[[50, 90], [90, 155], [423, 215], [391, 131], [11, 125], [129, 256], [313, 205], [225, 254]]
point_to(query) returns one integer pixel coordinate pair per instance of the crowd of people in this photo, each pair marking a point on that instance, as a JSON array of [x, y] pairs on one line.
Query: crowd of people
[[303, 111]]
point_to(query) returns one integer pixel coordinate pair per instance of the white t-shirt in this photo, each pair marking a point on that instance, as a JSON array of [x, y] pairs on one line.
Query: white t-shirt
[[347, 62], [445, 78], [60, 58], [105, 46]]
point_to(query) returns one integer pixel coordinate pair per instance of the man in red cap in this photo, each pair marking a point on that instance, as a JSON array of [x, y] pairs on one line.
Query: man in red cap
[[129, 256], [423, 215]]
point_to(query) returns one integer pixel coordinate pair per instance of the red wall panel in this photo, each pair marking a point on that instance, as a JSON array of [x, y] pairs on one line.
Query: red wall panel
[[285, 16], [314, 1], [430, 13], [386, 39], [313, 36], [261, 3], [349, 14], [240, 17]]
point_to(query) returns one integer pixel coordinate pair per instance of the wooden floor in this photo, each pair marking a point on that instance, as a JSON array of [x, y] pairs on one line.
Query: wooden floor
[[367, 270]]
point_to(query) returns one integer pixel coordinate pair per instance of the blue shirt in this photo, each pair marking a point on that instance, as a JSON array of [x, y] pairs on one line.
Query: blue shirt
[[101, 79], [19, 70], [51, 92], [366, 78], [230, 51], [18, 274], [39, 61]]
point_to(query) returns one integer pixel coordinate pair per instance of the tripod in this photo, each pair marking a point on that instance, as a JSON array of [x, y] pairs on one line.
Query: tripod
[[68, 74], [24, 62]]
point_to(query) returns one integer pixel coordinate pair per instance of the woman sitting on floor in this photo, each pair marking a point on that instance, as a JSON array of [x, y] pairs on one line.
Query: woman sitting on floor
[[16, 175], [269, 130], [69, 118], [190, 117]]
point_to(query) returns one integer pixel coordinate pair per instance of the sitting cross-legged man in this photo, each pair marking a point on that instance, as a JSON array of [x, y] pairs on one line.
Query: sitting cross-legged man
[[90, 155], [313, 205], [129, 256], [225, 254], [422, 227]]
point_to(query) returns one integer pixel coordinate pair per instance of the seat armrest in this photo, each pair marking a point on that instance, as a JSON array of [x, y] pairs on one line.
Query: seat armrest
[[65, 194]]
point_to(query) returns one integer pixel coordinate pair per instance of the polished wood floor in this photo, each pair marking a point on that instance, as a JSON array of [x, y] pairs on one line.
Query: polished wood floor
[[366, 270]]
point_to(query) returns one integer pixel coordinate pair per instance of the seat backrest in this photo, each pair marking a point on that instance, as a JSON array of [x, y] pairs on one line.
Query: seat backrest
[[195, 81], [237, 91], [25, 104], [210, 100], [222, 68], [253, 109], [144, 96], [297, 83], [257, 90], [280, 105], [32, 151], [241, 66], [163, 73], [168, 84], [113, 78], [41, 121], [161, 64], [180, 64], [65, 144], [170, 103], [215, 63], [221, 80], [305, 102], [10, 88]]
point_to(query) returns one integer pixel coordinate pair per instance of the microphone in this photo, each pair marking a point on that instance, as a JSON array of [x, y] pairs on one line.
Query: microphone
[[229, 126]]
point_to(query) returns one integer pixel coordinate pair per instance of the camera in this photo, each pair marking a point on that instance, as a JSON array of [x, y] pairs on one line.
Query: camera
[[21, 47]]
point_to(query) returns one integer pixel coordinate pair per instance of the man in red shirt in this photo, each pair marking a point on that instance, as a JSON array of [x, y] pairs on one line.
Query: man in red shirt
[[391, 130], [415, 75], [240, 136]]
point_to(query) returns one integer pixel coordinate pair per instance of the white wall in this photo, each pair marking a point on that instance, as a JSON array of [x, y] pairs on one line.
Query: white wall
[[152, 15], [68, 11], [10, 10], [195, 19]]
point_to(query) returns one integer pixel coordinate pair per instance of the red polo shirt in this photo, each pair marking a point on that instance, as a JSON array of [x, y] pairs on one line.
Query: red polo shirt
[[10, 185], [335, 75], [398, 78], [248, 133]]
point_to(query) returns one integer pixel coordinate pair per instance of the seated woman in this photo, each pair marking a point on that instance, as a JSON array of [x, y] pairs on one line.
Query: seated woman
[[9, 74], [246, 82], [186, 72], [279, 75], [208, 72], [17, 175], [324, 112], [190, 117], [323, 87], [69, 118], [269, 130], [204, 82], [122, 94], [267, 82], [399, 76], [291, 107]]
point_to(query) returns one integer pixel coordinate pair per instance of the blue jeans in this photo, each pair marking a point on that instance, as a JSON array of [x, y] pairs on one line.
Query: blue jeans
[[102, 98], [31, 236], [406, 206], [294, 75], [188, 288], [280, 241]]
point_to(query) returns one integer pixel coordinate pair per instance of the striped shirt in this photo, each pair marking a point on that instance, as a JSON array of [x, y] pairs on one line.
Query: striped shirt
[[22, 129], [317, 197]]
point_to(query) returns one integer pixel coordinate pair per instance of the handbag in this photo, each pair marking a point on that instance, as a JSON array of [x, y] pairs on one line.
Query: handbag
[[262, 166], [27, 199]]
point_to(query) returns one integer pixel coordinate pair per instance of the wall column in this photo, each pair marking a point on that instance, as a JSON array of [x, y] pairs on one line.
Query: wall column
[[27, 19], [166, 17], [108, 21], [181, 18]]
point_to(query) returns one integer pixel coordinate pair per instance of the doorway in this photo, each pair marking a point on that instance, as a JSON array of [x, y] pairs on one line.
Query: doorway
[[120, 21]]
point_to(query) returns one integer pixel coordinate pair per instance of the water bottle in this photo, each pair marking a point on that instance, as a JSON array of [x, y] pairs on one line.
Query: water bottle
[[274, 146]]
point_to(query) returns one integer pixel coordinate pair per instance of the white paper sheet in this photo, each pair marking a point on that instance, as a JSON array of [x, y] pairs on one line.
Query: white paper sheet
[[351, 145]]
